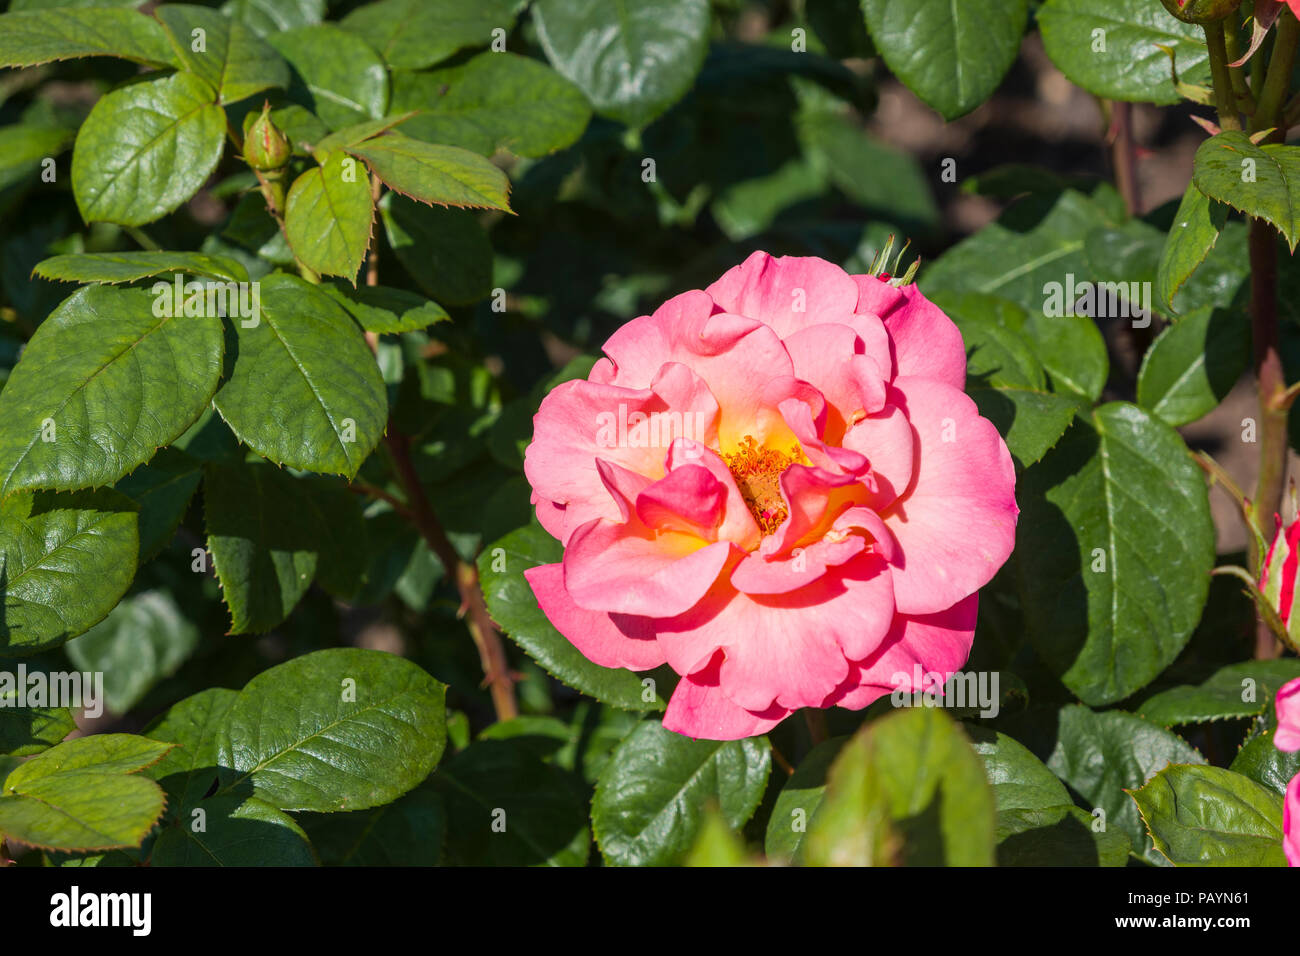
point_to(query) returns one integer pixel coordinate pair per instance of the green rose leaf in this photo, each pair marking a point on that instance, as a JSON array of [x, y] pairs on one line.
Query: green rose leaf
[[386, 310], [23, 151], [114, 267], [1037, 825], [263, 543], [445, 251], [237, 831], [413, 34], [651, 798], [513, 606], [329, 215], [632, 60], [339, 729], [410, 831], [1005, 377], [338, 75], [29, 730], [31, 37], [234, 60], [493, 101], [274, 16], [1112, 48], [446, 175], [1257, 180], [1116, 545], [196, 725], [1038, 241], [145, 148], [65, 561], [304, 391], [1208, 816], [1103, 755], [142, 641], [798, 801], [103, 383], [951, 55], [1235, 691], [84, 794], [906, 789], [1195, 231], [1193, 365], [506, 807], [163, 489], [1261, 761]]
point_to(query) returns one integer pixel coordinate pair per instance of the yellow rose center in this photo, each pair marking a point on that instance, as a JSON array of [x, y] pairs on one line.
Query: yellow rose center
[[757, 471]]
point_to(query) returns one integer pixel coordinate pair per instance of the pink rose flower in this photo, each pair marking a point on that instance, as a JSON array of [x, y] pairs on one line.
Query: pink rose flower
[[777, 487], [1291, 822], [1287, 706], [1277, 577]]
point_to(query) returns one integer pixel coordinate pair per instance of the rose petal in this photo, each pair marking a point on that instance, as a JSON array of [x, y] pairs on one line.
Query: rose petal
[[594, 633], [956, 524]]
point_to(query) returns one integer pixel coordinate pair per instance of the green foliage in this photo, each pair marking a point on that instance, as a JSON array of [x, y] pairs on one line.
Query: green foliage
[[951, 55]]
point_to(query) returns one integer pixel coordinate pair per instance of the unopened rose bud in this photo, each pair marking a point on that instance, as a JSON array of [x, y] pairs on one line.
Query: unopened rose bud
[[1201, 11], [1277, 578], [266, 148]]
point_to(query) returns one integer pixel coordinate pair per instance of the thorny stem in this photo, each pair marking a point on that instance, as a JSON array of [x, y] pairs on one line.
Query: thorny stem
[[1224, 98], [1232, 43], [1124, 156], [418, 510], [491, 652], [1271, 381]]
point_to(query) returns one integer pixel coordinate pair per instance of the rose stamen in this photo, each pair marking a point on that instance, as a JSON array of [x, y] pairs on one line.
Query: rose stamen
[[757, 471]]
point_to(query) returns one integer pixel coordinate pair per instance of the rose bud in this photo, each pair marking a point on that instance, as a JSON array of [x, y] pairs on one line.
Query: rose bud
[[1201, 11], [1277, 578], [266, 147]]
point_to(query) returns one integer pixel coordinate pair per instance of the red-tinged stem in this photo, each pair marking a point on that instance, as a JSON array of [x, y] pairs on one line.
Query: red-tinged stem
[[492, 654], [816, 721], [1124, 155]]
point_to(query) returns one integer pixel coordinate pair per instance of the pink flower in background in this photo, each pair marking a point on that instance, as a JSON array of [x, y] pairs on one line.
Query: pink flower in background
[[1288, 717], [777, 487], [1291, 822], [1287, 738]]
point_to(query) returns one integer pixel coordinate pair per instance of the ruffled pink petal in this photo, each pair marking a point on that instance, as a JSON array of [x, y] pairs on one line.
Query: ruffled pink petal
[[577, 424], [793, 293], [628, 643], [798, 417], [1291, 822], [887, 441], [758, 575], [627, 568], [738, 525], [830, 357], [926, 343], [956, 525], [934, 643], [787, 649], [699, 709], [814, 498], [730, 353], [794, 647], [1287, 736], [688, 499]]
